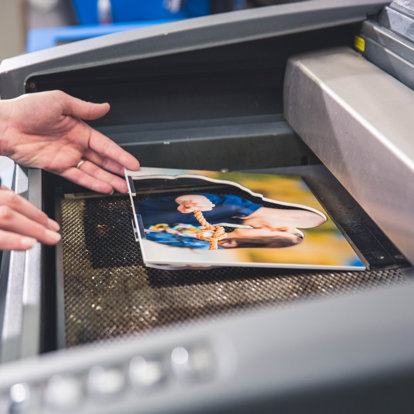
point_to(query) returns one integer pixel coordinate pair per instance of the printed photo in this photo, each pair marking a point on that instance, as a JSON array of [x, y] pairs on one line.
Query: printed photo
[[206, 218]]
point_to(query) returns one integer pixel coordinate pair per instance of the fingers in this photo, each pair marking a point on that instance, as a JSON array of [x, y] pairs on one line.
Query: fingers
[[85, 180], [106, 148], [22, 226], [82, 109], [21, 205], [13, 241], [98, 142], [105, 163], [114, 181], [21, 223], [91, 176]]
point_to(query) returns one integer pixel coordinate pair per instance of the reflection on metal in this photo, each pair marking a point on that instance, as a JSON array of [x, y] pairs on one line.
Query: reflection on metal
[[11, 332], [21, 284], [32, 290], [358, 121]]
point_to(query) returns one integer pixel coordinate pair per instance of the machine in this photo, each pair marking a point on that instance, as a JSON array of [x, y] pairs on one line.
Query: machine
[[320, 89]]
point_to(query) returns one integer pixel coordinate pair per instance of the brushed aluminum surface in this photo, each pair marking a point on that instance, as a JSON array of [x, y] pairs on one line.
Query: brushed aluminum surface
[[359, 121]]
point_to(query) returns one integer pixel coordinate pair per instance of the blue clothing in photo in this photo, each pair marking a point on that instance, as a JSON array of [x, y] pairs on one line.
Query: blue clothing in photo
[[228, 209], [177, 240]]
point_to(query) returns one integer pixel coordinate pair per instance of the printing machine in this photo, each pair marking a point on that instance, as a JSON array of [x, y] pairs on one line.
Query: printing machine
[[323, 89]]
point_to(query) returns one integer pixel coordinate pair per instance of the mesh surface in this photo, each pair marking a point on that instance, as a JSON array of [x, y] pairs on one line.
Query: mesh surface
[[109, 293]]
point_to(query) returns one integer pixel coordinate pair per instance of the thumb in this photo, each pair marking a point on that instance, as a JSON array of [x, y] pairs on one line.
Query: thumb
[[84, 110]]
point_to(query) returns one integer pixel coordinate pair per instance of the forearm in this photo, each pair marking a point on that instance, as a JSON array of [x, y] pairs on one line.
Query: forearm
[[255, 214]]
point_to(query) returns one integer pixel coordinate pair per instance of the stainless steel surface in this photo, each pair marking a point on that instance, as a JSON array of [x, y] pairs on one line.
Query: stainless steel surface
[[392, 43], [6, 171], [105, 383], [11, 333], [63, 393], [359, 121], [192, 364], [21, 398], [389, 51], [32, 283], [314, 346], [399, 17], [7, 167], [147, 373], [20, 333]]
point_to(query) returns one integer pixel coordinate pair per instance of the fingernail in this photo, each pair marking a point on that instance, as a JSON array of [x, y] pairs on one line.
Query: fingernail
[[53, 235], [53, 225], [27, 242]]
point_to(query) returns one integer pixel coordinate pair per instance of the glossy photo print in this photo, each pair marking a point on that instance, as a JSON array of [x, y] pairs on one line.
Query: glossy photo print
[[206, 218]]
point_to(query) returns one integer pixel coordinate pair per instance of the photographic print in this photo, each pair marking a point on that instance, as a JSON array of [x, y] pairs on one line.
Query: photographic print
[[207, 218]]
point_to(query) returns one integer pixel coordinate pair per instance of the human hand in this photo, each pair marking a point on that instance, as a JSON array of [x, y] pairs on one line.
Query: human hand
[[21, 223], [46, 130], [190, 203], [284, 219]]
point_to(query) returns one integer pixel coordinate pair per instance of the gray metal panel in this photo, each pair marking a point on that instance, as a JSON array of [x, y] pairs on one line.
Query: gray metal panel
[[389, 51], [278, 354], [358, 120], [185, 35], [32, 282], [388, 39], [398, 22], [21, 289], [209, 142], [11, 332], [405, 6], [392, 63], [6, 171], [7, 167]]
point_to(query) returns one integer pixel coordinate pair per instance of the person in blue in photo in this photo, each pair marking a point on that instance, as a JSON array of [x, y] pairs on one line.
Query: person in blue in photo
[[170, 220]]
